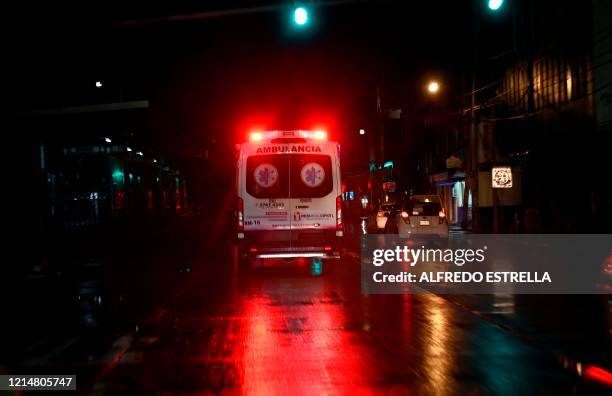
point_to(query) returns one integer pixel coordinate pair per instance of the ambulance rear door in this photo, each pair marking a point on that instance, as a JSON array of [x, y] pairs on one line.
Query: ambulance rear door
[[314, 180], [267, 202]]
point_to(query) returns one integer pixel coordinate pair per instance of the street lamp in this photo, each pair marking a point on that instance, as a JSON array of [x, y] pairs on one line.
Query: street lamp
[[433, 87], [362, 131], [100, 84]]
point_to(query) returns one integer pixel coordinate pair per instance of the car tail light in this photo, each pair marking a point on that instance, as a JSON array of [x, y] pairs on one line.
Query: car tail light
[[380, 214], [339, 230], [253, 250], [441, 217], [405, 217], [327, 248], [598, 374], [239, 215]]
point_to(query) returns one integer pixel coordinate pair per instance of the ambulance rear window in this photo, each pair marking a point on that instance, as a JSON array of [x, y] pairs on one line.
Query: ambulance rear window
[[289, 176], [311, 175], [267, 176]]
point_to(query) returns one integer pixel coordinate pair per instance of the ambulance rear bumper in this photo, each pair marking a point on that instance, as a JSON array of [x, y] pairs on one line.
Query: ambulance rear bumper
[[291, 244]]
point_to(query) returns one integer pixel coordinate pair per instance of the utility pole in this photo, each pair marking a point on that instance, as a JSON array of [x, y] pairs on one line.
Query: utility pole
[[474, 150], [471, 175], [466, 142], [493, 159]]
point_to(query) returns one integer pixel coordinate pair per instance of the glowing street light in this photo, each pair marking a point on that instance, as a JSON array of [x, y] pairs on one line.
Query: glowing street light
[[495, 5], [102, 84], [362, 131], [108, 140], [433, 87]]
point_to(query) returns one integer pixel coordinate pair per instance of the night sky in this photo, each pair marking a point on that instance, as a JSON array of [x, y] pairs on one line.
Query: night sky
[[221, 76]]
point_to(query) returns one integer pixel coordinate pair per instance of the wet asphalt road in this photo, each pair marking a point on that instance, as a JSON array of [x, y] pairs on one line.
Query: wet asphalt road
[[186, 319]]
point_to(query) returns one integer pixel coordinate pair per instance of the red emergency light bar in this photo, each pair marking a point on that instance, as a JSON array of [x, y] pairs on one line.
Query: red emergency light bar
[[260, 136]]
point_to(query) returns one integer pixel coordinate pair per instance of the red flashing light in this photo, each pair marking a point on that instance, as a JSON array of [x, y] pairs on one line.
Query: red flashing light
[[320, 135], [380, 214], [327, 248], [256, 136], [253, 250], [259, 136], [315, 135]]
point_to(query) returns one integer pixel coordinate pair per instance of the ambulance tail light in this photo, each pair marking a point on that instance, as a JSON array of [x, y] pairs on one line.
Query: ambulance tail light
[[240, 217], [339, 228]]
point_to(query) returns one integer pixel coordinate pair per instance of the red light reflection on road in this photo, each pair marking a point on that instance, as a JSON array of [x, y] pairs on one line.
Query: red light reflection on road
[[296, 345]]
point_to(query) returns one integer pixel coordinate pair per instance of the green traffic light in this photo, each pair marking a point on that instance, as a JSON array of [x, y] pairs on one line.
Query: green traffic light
[[300, 16], [495, 5]]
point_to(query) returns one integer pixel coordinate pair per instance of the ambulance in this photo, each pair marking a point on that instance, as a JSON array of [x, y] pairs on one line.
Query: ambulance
[[289, 203]]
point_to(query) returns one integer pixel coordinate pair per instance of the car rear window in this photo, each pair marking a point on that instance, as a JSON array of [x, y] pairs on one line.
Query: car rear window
[[289, 176], [422, 208]]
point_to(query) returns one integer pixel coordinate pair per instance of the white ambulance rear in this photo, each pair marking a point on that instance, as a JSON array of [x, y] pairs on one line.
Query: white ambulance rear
[[289, 196]]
